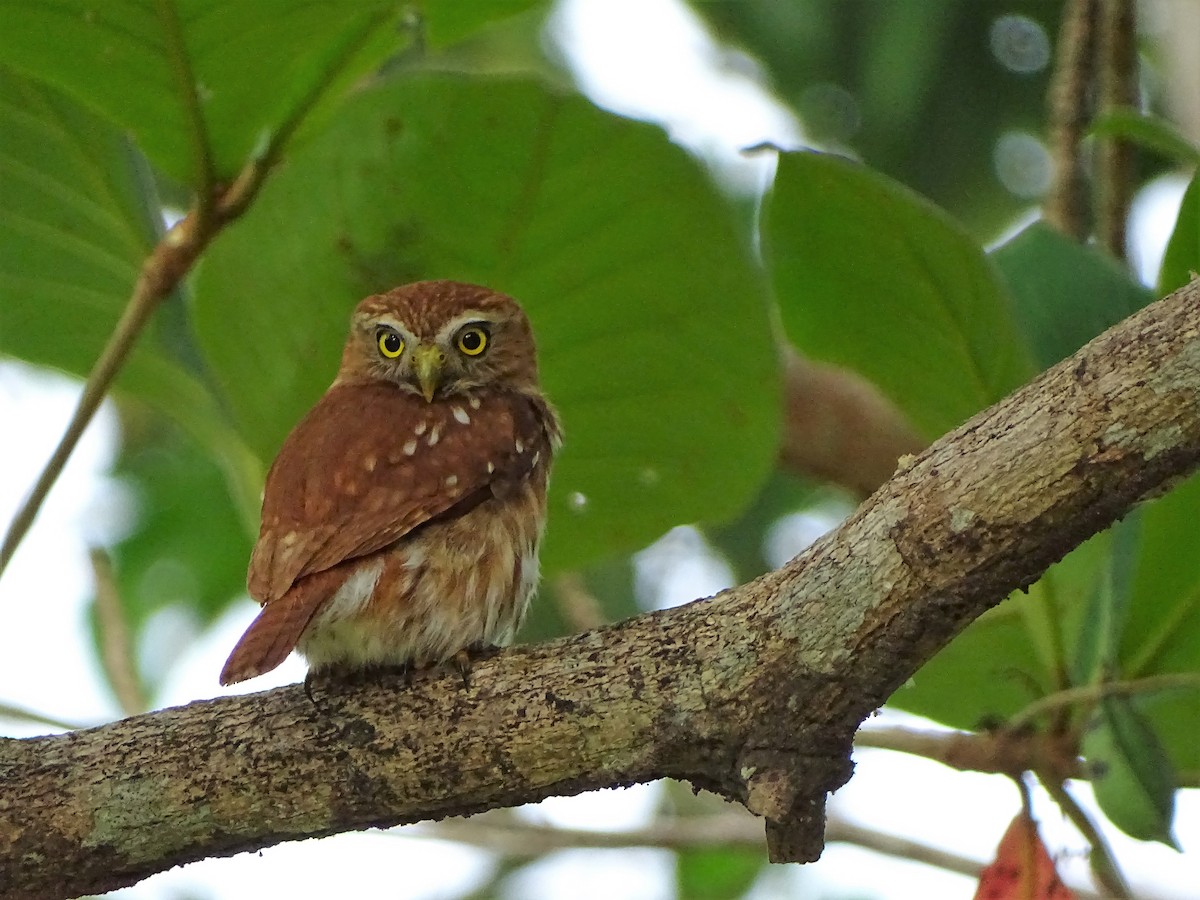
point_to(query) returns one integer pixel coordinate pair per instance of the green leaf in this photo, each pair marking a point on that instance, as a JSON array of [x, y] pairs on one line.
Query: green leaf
[[609, 583], [1182, 256], [1065, 294], [1101, 629], [1162, 632], [872, 277], [1011, 655], [189, 546], [1148, 131], [77, 221], [72, 229], [652, 323], [1131, 775], [449, 21], [257, 67], [716, 873]]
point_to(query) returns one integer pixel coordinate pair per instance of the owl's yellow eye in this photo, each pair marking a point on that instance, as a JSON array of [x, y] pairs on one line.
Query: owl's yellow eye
[[472, 340], [391, 344]]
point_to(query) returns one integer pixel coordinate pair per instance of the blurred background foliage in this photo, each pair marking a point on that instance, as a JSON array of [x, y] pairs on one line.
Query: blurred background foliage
[[437, 139]]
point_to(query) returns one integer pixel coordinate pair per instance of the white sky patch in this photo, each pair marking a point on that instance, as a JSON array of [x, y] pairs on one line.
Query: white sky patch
[[620, 809], [655, 60], [636, 874], [1151, 221], [46, 659], [677, 568]]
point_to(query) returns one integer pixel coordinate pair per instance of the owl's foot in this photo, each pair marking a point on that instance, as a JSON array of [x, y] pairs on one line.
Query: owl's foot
[[461, 661], [330, 677], [464, 659]]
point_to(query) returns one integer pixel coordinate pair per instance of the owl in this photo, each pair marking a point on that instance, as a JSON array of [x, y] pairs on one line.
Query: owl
[[402, 517]]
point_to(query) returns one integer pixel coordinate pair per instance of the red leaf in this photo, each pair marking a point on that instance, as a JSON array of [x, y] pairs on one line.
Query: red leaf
[[1023, 870]]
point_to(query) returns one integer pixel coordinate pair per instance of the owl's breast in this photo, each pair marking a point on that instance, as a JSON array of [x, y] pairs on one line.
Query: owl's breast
[[449, 585]]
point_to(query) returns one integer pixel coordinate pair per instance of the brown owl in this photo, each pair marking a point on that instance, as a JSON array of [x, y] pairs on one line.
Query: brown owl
[[402, 517]]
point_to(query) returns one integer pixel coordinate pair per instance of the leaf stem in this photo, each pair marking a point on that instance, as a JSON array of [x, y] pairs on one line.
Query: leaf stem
[[180, 59], [1090, 693], [1104, 864], [137, 311]]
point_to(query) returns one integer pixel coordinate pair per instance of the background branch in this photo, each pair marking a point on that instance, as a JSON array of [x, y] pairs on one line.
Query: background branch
[[838, 427], [1119, 90], [733, 829], [1066, 206]]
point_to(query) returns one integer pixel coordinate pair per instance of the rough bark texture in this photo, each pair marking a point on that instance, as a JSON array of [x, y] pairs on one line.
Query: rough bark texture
[[754, 694]]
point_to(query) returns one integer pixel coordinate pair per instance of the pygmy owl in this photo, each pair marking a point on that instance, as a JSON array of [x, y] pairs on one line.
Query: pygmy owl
[[402, 517]]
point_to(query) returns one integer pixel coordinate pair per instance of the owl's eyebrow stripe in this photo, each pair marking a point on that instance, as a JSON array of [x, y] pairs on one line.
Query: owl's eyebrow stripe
[[392, 323], [470, 317]]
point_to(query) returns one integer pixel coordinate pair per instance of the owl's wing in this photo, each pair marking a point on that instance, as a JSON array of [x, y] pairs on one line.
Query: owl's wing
[[370, 463]]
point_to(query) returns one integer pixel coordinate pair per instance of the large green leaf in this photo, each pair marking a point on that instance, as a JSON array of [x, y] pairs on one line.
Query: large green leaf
[[449, 21], [874, 278], [188, 546], [72, 233], [1065, 294], [257, 67], [652, 323], [75, 223], [1162, 631], [1013, 654]]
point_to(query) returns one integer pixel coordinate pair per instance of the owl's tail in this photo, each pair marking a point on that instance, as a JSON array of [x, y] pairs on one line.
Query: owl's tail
[[277, 630]]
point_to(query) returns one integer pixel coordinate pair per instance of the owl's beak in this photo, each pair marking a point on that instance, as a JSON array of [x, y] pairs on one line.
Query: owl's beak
[[428, 361]]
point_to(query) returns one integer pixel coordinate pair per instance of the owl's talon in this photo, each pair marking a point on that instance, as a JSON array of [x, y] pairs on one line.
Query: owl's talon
[[462, 664], [315, 679]]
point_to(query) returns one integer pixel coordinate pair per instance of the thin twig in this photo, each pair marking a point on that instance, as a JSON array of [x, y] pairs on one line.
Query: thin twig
[[1003, 752], [579, 606], [172, 258], [1066, 206], [1104, 864], [22, 714], [116, 649], [143, 302], [1090, 693], [1118, 86]]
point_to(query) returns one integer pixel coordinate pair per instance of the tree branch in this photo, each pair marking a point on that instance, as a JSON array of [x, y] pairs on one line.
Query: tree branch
[[754, 695]]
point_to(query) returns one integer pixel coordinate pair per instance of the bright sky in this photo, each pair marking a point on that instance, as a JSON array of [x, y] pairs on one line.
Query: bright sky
[[648, 58]]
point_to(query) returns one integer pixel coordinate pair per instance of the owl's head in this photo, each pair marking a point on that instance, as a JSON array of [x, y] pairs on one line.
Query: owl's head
[[440, 339]]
